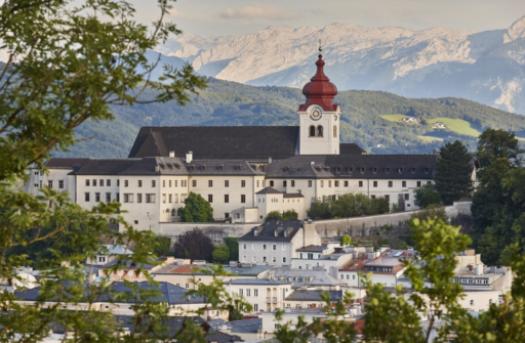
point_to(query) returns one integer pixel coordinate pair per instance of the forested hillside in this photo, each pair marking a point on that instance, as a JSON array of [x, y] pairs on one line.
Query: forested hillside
[[378, 121]]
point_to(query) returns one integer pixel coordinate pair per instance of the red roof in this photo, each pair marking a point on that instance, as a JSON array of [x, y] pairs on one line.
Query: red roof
[[319, 91]]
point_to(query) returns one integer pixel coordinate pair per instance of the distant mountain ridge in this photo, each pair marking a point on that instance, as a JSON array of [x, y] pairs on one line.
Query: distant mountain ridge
[[380, 122], [488, 67]]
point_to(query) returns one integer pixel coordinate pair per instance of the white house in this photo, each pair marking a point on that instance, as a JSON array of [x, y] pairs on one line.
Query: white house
[[262, 294], [275, 242]]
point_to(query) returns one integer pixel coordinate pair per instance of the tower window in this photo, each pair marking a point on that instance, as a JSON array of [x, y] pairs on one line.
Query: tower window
[[319, 131], [335, 131], [312, 131]]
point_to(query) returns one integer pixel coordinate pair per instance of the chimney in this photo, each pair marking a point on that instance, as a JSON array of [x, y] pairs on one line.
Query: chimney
[[172, 153], [269, 160], [189, 157]]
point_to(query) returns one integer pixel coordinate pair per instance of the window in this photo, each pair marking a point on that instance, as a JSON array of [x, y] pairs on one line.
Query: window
[[241, 292], [319, 131], [139, 183], [322, 183], [243, 198], [403, 184], [139, 198], [97, 197], [264, 246], [210, 183], [153, 183], [87, 182], [284, 259], [292, 183], [128, 197], [210, 198], [375, 184], [271, 183], [264, 258], [60, 184], [407, 196], [118, 182], [346, 184], [94, 182], [248, 292], [255, 293], [310, 183], [335, 131], [390, 184], [163, 198], [284, 183], [117, 197], [170, 183], [360, 183], [101, 182], [226, 183], [274, 247], [258, 183], [125, 183], [226, 215], [311, 131], [194, 183], [419, 183], [170, 198], [336, 183], [163, 183], [150, 198], [226, 198], [108, 197], [108, 182], [50, 183], [256, 307], [86, 197], [329, 183], [243, 183]]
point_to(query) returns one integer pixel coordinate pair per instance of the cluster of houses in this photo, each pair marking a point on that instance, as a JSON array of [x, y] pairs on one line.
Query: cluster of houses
[[293, 271]]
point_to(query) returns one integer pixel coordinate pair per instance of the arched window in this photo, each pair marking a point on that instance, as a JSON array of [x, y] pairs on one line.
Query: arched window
[[312, 131], [335, 131], [319, 131]]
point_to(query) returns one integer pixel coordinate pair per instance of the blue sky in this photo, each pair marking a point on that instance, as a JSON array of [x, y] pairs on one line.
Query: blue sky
[[225, 17]]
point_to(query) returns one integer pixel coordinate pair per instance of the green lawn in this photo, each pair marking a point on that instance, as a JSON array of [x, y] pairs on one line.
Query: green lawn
[[458, 126], [395, 118], [429, 139]]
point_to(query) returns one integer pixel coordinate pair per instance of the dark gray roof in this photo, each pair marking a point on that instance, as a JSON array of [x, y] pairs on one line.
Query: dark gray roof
[[354, 167], [133, 166], [312, 248], [256, 282], [314, 295], [269, 190], [120, 292], [273, 231], [66, 163], [250, 325], [351, 149], [222, 167], [217, 142], [293, 195]]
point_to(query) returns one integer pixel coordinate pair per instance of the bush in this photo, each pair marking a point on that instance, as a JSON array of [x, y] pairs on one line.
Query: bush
[[233, 246], [274, 215], [348, 205], [196, 210], [290, 215], [163, 246], [194, 245], [346, 240], [221, 254], [427, 196]]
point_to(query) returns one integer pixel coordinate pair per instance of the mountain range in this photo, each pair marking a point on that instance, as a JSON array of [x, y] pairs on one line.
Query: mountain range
[[487, 67], [380, 122]]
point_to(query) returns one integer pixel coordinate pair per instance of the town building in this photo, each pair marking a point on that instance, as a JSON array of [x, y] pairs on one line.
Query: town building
[[244, 172]]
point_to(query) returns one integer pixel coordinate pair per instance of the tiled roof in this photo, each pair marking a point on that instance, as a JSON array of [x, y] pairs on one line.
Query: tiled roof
[[269, 190], [354, 167], [273, 231], [66, 163], [313, 295], [312, 248], [217, 142]]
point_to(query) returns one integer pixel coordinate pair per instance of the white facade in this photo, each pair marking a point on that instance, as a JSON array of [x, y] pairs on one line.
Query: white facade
[[263, 295]]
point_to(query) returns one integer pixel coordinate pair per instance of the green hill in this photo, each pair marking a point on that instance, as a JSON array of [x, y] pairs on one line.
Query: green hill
[[371, 119]]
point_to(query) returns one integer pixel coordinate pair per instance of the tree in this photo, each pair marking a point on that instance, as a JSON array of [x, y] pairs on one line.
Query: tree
[[274, 215], [290, 215], [427, 196], [233, 246], [348, 205], [494, 144], [221, 254], [196, 209], [194, 245], [346, 240], [320, 210], [453, 172], [68, 62], [163, 246]]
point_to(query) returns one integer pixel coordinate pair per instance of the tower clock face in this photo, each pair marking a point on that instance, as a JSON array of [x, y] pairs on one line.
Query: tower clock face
[[316, 112]]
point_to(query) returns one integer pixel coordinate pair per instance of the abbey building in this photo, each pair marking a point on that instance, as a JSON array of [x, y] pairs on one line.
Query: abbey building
[[243, 172]]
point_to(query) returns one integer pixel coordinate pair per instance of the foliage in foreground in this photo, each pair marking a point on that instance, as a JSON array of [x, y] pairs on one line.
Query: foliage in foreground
[[348, 205]]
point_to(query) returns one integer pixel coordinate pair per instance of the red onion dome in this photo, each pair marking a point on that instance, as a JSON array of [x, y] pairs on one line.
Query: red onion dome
[[319, 91]]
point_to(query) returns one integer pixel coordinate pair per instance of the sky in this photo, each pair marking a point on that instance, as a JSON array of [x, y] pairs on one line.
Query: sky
[[231, 17]]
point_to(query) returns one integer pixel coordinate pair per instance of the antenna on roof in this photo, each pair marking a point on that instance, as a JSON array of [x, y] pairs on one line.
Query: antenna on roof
[[320, 46]]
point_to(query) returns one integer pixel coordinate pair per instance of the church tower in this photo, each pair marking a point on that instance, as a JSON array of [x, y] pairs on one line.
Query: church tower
[[319, 117]]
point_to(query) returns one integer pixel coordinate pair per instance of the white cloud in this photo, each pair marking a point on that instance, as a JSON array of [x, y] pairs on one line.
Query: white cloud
[[254, 12]]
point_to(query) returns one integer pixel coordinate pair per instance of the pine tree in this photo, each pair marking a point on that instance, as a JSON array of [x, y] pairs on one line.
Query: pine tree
[[454, 172]]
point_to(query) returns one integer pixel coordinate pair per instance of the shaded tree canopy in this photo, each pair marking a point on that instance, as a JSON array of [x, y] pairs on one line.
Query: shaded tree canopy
[[427, 196], [348, 205], [194, 245], [453, 172]]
